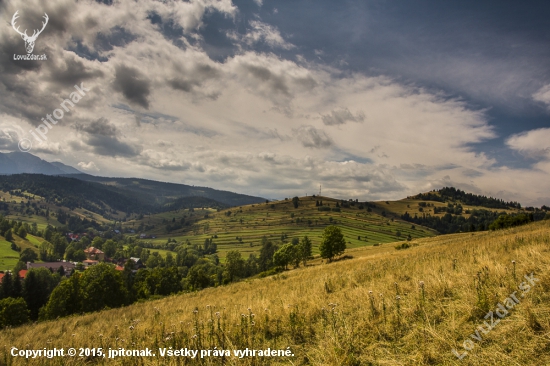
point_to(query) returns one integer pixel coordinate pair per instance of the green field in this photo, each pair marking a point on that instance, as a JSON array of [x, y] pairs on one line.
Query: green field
[[242, 228], [40, 221], [8, 257], [28, 242], [36, 241], [161, 252]]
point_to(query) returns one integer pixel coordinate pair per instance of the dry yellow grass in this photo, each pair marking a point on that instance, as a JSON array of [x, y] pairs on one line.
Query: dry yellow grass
[[328, 315]]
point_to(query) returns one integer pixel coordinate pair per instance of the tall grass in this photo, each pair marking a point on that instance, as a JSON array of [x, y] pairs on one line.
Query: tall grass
[[383, 307]]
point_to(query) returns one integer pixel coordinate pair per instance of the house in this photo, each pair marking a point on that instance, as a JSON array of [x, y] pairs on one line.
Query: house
[[22, 274], [89, 262], [94, 254], [73, 237], [53, 266], [137, 263], [143, 236]]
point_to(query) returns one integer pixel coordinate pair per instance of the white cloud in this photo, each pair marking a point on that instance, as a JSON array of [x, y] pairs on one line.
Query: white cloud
[[543, 95], [88, 166], [262, 32], [259, 2], [534, 143]]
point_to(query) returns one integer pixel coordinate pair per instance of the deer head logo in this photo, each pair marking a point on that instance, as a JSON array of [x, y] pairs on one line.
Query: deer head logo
[[29, 41]]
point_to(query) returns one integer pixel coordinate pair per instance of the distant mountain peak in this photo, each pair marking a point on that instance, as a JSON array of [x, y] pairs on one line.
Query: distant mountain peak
[[18, 162]]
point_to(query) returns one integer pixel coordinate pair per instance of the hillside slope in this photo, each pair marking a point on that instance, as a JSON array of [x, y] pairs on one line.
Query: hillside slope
[[162, 191], [243, 227], [106, 200], [383, 307]]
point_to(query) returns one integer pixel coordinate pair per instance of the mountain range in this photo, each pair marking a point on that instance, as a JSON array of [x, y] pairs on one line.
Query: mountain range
[[20, 162], [157, 193]]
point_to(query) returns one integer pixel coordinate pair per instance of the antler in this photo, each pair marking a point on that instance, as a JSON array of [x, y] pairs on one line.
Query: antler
[[34, 35], [15, 16]]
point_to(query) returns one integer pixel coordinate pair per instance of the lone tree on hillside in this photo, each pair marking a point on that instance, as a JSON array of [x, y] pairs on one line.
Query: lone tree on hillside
[[22, 233], [285, 255], [295, 201], [305, 250], [333, 243], [8, 235]]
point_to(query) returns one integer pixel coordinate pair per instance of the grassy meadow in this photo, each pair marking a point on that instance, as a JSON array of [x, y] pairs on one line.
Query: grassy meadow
[[381, 307], [8, 256]]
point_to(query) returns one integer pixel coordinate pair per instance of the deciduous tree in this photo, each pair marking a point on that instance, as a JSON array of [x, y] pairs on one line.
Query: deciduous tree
[[333, 243]]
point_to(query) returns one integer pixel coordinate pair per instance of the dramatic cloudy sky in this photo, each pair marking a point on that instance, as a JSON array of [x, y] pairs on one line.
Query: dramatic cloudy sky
[[372, 99]]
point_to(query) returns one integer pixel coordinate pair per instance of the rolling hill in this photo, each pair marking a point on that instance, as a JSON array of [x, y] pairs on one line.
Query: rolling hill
[[363, 223], [164, 192], [243, 227], [155, 193], [112, 201], [383, 306]]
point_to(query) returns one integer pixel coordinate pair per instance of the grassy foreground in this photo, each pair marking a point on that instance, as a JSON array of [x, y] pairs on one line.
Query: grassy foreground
[[343, 313]]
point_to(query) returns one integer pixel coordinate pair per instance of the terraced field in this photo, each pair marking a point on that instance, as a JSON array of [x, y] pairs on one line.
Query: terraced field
[[243, 228]]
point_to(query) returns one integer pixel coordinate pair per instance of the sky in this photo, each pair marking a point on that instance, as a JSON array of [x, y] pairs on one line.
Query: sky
[[371, 99]]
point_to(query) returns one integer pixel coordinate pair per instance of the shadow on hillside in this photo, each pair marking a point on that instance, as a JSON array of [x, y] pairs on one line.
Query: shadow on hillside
[[343, 258]]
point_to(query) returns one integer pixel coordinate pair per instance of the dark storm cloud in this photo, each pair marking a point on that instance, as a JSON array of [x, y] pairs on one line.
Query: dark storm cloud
[[276, 83], [71, 72], [23, 100], [103, 138], [190, 80], [309, 136], [183, 85], [112, 146], [20, 95], [341, 116], [100, 127], [133, 85], [10, 45], [115, 37]]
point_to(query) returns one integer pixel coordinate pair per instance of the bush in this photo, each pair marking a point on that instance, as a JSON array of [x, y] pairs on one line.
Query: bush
[[13, 312], [402, 246], [28, 255]]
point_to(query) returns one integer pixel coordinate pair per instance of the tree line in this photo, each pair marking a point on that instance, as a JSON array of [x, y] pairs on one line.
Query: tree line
[[470, 199], [479, 220]]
